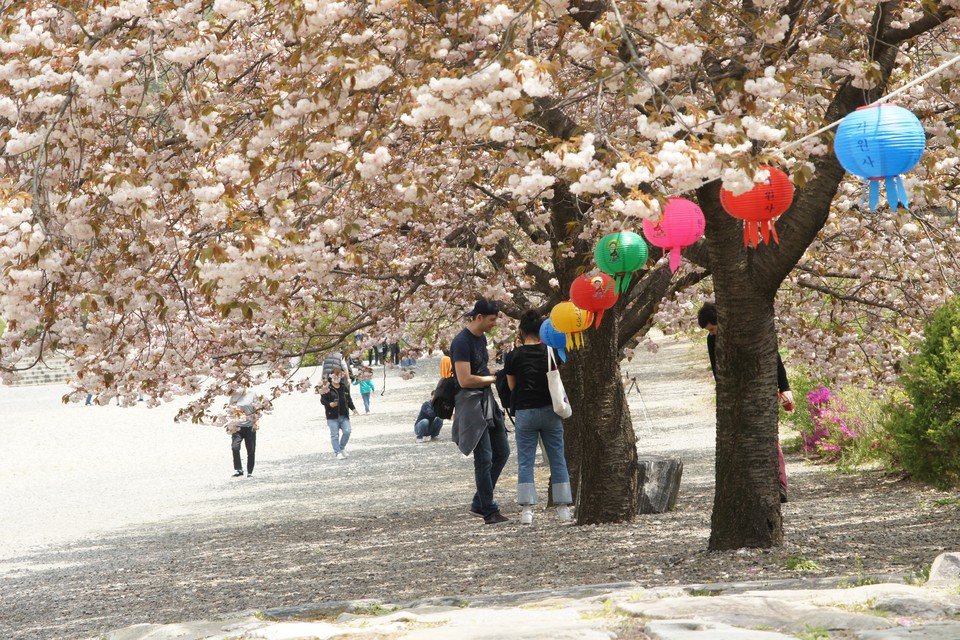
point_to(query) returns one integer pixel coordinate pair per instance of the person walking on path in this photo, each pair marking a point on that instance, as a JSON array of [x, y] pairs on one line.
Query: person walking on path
[[243, 428], [366, 387], [478, 422], [427, 426], [335, 360], [338, 405], [526, 369], [707, 319]]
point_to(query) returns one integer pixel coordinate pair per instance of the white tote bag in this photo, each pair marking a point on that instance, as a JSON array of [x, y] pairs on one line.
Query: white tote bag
[[561, 405]]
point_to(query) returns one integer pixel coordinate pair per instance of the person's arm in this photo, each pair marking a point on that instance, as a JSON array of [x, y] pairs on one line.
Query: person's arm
[[468, 380], [349, 399], [782, 383], [712, 352]]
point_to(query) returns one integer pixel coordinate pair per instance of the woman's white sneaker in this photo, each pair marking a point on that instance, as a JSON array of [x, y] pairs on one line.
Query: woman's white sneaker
[[563, 512], [526, 515]]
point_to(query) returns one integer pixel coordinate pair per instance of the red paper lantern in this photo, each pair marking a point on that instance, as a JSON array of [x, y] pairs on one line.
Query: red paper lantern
[[760, 205], [594, 293]]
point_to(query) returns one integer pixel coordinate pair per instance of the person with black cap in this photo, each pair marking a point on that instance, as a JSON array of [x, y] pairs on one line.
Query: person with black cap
[[478, 426]]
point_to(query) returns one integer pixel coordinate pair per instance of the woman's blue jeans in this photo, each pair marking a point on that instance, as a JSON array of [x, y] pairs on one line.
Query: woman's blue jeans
[[339, 432], [547, 425]]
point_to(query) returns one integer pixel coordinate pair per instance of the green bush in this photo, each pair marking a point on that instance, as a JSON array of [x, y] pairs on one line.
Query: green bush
[[926, 428]]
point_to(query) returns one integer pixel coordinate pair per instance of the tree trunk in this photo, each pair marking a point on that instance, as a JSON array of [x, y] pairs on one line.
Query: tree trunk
[[600, 441], [746, 505]]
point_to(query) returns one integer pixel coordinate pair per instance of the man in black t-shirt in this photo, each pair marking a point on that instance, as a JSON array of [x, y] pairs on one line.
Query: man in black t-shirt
[[478, 422]]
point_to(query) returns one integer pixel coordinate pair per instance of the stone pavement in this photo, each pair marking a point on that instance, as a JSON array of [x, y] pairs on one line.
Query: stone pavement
[[772, 610]]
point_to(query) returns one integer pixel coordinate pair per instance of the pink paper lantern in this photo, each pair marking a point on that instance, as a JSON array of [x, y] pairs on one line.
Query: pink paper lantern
[[680, 226]]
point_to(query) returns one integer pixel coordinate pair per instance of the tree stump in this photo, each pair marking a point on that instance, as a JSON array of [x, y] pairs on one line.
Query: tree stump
[[659, 483]]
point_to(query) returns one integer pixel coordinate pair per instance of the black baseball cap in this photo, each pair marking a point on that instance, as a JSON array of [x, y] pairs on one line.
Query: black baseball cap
[[483, 308]]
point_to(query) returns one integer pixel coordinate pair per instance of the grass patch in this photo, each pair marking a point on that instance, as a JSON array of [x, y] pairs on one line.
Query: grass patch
[[814, 633], [799, 563], [697, 593], [919, 577]]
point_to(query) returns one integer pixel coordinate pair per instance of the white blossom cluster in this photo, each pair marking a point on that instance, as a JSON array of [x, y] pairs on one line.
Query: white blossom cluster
[[194, 189]]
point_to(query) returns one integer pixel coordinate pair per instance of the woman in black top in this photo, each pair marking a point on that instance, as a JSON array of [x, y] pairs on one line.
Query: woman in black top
[[526, 370]]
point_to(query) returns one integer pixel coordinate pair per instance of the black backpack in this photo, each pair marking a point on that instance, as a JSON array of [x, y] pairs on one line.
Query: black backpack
[[504, 393], [444, 397]]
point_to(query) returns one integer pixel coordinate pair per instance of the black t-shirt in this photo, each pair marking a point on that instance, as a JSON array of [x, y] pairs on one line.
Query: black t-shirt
[[470, 348], [529, 365]]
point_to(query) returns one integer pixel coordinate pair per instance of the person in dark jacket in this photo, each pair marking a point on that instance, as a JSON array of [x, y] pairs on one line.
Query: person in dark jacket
[[478, 422], [707, 319], [427, 425], [338, 405]]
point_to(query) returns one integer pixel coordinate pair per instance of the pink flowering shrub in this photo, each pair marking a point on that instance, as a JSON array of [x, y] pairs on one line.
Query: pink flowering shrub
[[834, 431]]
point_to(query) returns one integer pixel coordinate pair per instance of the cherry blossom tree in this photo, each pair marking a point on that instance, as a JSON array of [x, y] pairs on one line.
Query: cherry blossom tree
[[196, 193]]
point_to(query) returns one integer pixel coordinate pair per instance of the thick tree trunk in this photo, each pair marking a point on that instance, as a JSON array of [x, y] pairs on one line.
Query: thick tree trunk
[[600, 441], [746, 505]]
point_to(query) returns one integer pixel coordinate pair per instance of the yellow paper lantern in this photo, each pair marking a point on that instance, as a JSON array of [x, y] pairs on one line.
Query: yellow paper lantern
[[570, 319]]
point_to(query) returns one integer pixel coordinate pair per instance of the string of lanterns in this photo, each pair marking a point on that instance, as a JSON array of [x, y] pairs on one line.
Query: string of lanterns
[[878, 143]]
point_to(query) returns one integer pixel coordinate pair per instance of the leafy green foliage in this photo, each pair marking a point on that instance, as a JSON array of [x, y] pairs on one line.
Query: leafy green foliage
[[926, 428]]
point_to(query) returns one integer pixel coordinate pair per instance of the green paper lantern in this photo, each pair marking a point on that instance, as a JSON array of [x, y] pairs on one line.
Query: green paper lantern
[[619, 255]]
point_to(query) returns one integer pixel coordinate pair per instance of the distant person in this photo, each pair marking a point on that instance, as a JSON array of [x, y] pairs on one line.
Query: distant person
[[446, 365], [338, 405], [707, 319], [526, 369], [478, 422], [335, 360], [243, 427], [366, 386], [427, 426]]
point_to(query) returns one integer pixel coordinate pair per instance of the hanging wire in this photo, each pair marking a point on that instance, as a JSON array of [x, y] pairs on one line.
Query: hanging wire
[[885, 98]]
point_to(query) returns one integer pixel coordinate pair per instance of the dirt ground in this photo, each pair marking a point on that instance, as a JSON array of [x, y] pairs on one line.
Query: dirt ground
[[124, 534]]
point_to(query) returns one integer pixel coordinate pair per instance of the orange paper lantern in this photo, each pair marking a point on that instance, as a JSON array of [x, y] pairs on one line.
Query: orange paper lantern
[[760, 205]]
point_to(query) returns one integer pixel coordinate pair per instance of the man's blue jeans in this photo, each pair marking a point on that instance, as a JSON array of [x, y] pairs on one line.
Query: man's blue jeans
[[339, 432], [428, 428], [546, 424], [489, 458]]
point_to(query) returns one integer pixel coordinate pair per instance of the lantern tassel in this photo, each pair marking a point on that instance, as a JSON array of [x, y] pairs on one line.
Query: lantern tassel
[[674, 264], [892, 196], [902, 190], [773, 232], [874, 194], [765, 231], [562, 353], [599, 317], [569, 341], [624, 282]]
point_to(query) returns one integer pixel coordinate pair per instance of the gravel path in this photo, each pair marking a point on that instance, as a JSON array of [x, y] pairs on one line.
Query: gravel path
[[119, 516]]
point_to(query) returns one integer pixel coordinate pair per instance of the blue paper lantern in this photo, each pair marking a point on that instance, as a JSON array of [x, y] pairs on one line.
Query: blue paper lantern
[[881, 142], [553, 338]]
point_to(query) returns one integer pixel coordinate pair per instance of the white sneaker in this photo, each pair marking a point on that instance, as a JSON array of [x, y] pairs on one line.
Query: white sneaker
[[563, 512], [344, 453], [421, 439], [340, 456], [526, 516]]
